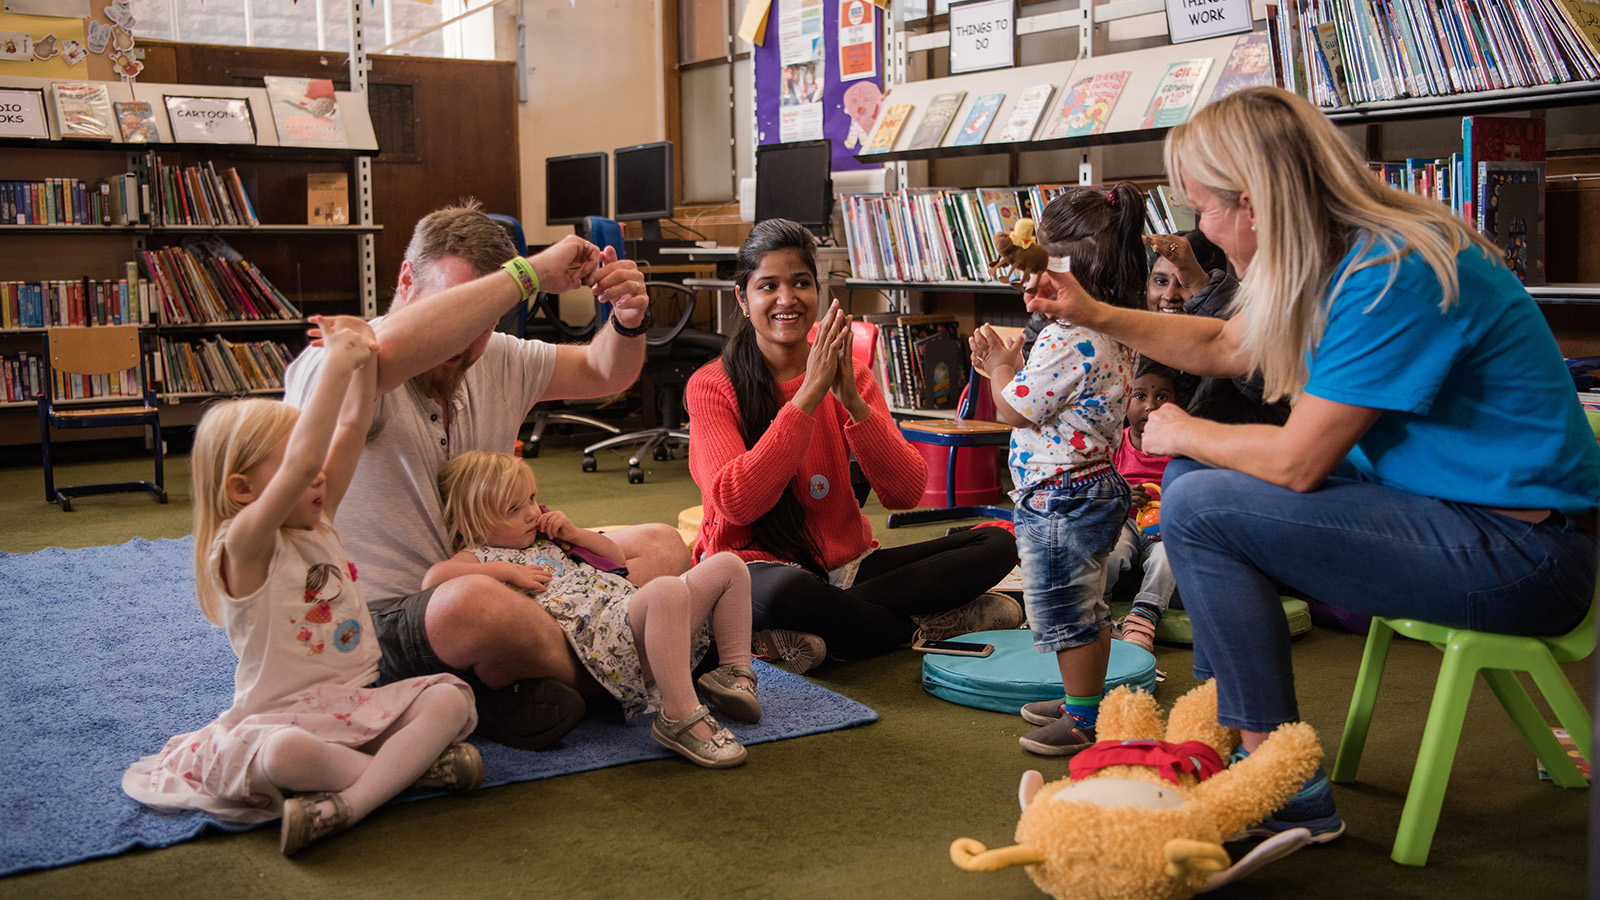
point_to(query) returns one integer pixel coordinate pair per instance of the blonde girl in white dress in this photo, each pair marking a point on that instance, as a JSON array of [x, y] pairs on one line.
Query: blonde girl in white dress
[[307, 718], [640, 644]]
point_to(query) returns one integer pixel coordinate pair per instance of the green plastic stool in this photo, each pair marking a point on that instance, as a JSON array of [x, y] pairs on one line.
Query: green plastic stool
[[1466, 653]]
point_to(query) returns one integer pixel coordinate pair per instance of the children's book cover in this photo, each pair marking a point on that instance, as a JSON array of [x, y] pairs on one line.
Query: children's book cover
[[1498, 138], [137, 120], [1175, 93], [894, 118], [979, 120], [327, 198], [936, 120], [1511, 214], [1249, 65], [1086, 106], [1001, 210], [1025, 115], [306, 111], [83, 109]]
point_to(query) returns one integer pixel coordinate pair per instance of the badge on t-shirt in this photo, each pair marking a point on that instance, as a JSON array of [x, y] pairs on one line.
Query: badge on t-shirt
[[819, 487]]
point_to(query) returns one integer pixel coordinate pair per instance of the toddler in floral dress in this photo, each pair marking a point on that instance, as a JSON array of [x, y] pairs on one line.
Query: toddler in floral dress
[[640, 644], [307, 717]]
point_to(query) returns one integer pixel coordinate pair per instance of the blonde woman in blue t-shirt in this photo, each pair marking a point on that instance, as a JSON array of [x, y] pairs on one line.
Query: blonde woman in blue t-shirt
[[1435, 435]]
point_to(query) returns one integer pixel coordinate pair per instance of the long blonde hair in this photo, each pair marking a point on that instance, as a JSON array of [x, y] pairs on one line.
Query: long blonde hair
[[477, 488], [1314, 199], [232, 438]]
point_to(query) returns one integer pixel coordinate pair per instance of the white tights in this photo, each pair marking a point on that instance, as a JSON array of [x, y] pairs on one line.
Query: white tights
[[664, 614], [296, 760]]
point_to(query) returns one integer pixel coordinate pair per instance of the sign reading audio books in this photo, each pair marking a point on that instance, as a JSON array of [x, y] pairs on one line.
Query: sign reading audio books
[[307, 112]]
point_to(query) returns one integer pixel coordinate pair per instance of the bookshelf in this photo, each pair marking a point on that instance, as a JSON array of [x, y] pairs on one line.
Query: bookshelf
[[313, 269]]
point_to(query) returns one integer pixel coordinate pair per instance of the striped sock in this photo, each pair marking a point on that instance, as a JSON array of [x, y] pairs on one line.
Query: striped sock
[[1085, 709]]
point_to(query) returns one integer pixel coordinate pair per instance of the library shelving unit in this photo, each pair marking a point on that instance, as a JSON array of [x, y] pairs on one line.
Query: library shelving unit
[[317, 268], [1130, 27]]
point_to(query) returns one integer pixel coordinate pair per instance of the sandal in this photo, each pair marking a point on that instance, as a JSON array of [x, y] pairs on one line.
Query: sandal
[[737, 701], [720, 752], [302, 823], [458, 768]]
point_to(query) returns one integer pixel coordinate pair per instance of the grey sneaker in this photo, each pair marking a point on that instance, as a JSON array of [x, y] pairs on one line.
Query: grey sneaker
[[989, 612], [797, 651], [1063, 737], [1044, 712]]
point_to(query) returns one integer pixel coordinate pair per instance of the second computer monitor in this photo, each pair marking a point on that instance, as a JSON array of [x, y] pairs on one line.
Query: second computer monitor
[[644, 185], [793, 182]]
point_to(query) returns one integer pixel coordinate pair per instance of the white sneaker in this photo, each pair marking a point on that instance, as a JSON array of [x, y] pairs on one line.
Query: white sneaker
[[989, 612], [796, 651]]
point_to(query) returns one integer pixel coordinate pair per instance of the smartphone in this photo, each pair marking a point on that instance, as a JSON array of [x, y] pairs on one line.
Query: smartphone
[[954, 648]]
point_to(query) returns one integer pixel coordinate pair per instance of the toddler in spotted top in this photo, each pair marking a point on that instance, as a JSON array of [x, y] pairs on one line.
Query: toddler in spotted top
[[640, 644], [307, 718], [1066, 406]]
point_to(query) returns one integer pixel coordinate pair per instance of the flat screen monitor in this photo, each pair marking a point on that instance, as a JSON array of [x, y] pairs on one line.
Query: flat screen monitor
[[644, 185], [793, 182], [574, 188]]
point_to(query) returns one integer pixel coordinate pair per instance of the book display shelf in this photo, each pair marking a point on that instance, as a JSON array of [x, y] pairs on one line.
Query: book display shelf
[[1102, 104], [201, 244]]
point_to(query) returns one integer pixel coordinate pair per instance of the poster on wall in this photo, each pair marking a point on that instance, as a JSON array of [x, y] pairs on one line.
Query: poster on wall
[[805, 73], [858, 46]]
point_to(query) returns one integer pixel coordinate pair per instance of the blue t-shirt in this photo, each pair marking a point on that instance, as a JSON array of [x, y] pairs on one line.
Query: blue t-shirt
[[1478, 405]]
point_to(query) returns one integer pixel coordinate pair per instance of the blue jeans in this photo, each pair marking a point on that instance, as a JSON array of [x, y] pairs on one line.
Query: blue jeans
[[1064, 534], [1140, 554], [1360, 546]]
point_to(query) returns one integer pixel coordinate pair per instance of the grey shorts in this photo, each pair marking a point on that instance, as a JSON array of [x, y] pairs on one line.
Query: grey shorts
[[403, 638]]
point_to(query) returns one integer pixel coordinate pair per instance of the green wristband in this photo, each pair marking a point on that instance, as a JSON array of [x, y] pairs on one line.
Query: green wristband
[[521, 271]]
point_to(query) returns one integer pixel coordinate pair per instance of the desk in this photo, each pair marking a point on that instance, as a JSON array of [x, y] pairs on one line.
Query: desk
[[727, 308]]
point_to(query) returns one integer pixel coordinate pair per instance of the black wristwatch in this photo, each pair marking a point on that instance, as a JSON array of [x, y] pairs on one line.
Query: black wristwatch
[[641, 328]]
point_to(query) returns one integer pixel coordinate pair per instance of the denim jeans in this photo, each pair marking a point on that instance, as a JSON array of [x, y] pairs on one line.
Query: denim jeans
[[1064, 534], [1141, 554], [1360, 546]]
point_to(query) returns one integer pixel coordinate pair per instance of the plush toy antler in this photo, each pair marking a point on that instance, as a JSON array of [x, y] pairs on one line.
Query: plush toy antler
[[1020, 250]]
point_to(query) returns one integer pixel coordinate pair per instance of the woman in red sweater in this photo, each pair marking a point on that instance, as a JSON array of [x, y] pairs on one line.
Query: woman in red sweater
[[775, 422]]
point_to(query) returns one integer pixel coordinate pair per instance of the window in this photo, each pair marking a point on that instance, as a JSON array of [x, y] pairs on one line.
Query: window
[[320, 24], [714, 102]]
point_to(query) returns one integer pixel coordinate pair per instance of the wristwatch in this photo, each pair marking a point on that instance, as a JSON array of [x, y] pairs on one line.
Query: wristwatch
[[641, 328]]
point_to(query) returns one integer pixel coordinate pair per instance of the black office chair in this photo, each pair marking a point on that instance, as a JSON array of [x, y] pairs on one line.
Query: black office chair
[[671, 355]]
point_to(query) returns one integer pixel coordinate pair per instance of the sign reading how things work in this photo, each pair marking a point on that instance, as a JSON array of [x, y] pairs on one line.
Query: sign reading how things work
[[982, 35], [1193, 20]]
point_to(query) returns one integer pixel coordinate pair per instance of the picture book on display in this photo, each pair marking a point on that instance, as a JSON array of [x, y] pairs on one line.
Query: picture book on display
[[137, 121], [1030, 105], [83, 109], [1248, 65], [306, 111], [936, 120], [978, 120], [894, 119], [1511, 214], [1086, 106], [1495, 139], [327, 198], [1175, 93]]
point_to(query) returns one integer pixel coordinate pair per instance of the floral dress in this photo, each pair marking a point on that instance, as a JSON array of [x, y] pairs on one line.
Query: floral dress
[[308, 659], [591, 606]]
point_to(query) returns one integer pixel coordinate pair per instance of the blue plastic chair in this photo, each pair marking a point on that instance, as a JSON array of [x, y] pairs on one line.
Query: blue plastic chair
[[962, 432]]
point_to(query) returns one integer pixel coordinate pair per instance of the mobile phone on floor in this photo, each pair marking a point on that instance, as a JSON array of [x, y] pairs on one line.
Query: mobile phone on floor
[[954, 648]]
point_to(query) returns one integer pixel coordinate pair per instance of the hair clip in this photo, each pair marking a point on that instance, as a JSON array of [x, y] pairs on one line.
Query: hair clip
[[1111, 199]]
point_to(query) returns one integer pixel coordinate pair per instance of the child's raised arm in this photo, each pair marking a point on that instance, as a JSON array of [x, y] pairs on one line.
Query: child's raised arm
[[999, 361], [555, 524], [355, 416], [248, 548]]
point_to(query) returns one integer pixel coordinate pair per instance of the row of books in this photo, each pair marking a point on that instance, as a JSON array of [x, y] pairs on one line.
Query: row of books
[[219, 366], [935, 234], [197, 195], [205, 280], [21, 376], [1083, 105], [1340, 52], [55, 201], [87, 301], [921, 361]]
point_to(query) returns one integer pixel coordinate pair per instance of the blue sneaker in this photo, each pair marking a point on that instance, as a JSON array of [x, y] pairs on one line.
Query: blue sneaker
[[1312, 809]]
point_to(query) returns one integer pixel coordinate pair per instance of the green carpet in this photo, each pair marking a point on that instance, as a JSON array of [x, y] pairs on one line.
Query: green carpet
[[868, 812]]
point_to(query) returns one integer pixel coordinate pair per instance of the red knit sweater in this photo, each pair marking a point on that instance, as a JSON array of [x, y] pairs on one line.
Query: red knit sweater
[[809, 455]]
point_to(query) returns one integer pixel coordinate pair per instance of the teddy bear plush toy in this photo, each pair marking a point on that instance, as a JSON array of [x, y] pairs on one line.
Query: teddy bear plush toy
[[1145, 812], [1020, 250]]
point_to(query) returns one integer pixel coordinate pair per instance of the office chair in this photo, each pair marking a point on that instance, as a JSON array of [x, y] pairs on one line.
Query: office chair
[[672, 354], [552, 327], [101, 350]]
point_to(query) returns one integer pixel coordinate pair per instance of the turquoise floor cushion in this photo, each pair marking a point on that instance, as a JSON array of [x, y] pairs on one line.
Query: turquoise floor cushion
[[1016, 673]]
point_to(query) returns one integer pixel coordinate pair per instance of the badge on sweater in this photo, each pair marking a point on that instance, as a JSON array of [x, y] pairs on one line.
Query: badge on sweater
[[819, 487]]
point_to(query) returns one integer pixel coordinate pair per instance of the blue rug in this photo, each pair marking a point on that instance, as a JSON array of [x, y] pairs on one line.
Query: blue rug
[[104, 655]]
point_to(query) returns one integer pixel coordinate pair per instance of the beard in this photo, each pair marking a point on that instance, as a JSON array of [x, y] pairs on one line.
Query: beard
[[440, 382]]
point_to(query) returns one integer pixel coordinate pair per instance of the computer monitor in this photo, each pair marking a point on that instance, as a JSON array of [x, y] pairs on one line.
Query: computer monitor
[[644, 186], [574, 188], [793, 182]]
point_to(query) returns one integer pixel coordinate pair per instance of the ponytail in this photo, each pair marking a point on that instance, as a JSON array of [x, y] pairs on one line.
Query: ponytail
[[1100, 230]]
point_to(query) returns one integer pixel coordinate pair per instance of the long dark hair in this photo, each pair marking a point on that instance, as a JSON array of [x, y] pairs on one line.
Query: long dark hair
[[781, 529], [1099, 231]]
